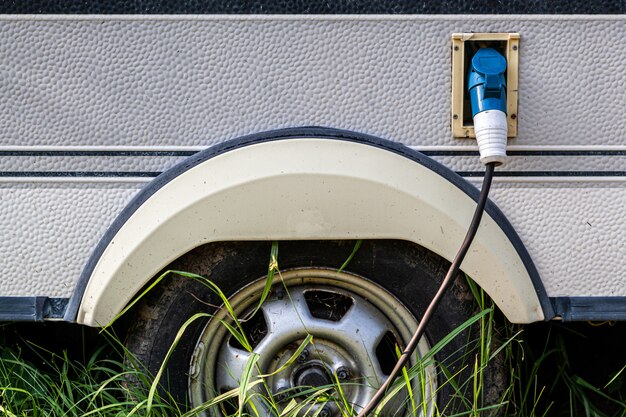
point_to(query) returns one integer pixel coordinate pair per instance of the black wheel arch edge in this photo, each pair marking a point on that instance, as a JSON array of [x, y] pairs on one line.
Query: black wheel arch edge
[[304, 132]]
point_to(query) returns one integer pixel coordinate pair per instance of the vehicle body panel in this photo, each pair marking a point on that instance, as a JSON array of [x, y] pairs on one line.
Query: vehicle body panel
[[95, 107]]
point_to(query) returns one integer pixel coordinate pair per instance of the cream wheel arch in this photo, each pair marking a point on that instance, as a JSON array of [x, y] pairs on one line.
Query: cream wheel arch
[[305, 184]]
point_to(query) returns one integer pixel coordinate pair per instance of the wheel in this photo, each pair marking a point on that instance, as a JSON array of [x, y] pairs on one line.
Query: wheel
[[356, 318]]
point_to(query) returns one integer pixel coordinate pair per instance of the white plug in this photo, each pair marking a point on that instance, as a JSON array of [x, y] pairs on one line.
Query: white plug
[[490, 127]]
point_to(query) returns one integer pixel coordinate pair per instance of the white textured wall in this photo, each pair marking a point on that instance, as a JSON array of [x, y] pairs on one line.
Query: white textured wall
[[197, 82], [49, 230]]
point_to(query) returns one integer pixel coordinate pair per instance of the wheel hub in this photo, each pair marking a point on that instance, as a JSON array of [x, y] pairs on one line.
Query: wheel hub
[[355, 326], [312, 375], [318, 366]]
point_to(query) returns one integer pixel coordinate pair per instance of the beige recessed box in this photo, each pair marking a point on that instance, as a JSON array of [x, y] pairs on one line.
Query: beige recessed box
[[463, 48]]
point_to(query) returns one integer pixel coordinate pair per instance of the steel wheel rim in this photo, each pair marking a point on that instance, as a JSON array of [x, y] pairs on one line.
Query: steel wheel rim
[[344, 347]]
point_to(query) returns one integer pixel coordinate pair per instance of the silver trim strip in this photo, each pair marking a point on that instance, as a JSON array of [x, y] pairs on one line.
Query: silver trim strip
[[313, 17], [138, 180]]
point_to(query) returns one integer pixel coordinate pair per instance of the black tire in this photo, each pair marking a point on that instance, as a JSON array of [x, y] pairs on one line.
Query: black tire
[[409, 272]]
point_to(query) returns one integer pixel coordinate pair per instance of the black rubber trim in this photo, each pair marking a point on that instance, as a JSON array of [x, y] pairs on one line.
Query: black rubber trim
[[32, 308], [97, 153], [565, 153], [590, 308], [527, 153], [148, 174], [295, 133], [546, 173], [77, 174], [189, 153], [312, 7]]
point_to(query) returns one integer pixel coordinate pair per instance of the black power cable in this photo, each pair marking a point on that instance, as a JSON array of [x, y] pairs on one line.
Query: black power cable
[[447, 281]]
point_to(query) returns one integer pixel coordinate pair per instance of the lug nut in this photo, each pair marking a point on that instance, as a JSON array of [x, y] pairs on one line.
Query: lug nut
[[324, 412], [280, 293], [343, 373], [303, 356], [281, 394]]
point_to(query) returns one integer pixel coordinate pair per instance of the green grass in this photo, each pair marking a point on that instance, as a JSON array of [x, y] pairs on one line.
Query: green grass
[[99, 386], [38, 382], [546, 382], [58, 386]]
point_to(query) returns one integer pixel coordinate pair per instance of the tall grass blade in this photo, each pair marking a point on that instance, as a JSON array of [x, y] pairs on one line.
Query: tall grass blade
[[356, 248], [615, 377], [159, 374], [271, 271], [244, 384]]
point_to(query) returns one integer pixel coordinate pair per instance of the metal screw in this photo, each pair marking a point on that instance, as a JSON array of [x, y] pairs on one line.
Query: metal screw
[[343, 373], [324, 412], [515, 47], [514, 116], [456, 48], [303, 356], [455, 117]]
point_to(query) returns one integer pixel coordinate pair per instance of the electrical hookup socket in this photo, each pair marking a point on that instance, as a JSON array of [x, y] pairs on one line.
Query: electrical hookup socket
[[464, 47]]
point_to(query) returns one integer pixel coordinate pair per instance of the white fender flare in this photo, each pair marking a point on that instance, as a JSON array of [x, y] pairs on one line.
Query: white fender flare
[[313, 183]]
